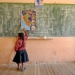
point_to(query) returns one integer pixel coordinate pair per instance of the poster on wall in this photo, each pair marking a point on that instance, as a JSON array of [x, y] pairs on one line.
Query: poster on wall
[[28, 19], [38, 3]]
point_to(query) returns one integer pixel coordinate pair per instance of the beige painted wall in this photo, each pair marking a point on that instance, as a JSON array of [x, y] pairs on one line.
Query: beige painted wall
[[45, 1], [58, 49], [40, 50]]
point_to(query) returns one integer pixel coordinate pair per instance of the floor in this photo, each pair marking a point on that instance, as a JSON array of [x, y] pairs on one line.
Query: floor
[[39, 69]]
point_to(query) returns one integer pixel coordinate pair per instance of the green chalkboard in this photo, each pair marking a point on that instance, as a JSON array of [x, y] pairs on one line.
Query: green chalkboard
[[53, 20]]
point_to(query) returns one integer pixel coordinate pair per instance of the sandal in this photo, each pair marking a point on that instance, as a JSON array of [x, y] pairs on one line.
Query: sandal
[[23, 69]]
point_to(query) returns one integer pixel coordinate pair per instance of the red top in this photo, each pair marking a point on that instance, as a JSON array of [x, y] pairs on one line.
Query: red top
[[19, 43]]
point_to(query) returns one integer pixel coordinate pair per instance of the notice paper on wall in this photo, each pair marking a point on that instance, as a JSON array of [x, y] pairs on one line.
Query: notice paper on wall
[[38, 3]]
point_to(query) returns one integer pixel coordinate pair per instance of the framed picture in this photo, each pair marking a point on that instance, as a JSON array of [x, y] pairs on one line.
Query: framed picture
[[28, 19], [38, 3]]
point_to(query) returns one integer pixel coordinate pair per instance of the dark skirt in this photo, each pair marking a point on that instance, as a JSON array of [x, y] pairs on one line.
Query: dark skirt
[[21, 56]]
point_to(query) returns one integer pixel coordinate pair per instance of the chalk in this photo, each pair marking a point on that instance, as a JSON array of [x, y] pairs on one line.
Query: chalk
[[44, 37]]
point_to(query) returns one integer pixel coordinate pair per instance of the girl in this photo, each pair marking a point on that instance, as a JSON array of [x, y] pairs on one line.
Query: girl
[[20, 48]]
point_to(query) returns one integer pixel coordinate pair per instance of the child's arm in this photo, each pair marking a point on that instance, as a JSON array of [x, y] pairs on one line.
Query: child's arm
[[26, 33], [16, 45]]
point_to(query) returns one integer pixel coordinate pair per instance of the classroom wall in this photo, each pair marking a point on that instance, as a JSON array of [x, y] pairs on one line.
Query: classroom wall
[[40, 50], [56, 49], [45, 1]]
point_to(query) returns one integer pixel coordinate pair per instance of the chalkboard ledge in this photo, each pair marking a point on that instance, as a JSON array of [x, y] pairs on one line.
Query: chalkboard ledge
[[39, 38]]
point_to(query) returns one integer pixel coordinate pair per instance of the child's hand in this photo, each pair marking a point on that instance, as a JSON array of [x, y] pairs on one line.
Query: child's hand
[[24, 29]]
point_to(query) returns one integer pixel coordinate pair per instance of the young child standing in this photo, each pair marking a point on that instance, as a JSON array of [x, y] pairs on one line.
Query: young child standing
[[20, 49]]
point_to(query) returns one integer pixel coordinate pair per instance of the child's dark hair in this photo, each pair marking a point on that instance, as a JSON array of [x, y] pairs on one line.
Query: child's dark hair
[[21, 35]]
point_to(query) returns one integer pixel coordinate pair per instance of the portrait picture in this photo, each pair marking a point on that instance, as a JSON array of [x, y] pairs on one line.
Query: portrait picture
[[38, 3]]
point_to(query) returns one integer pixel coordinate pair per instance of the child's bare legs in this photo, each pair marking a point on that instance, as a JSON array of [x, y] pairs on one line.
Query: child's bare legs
[[23, 68], [22, 65], [18, 64]]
